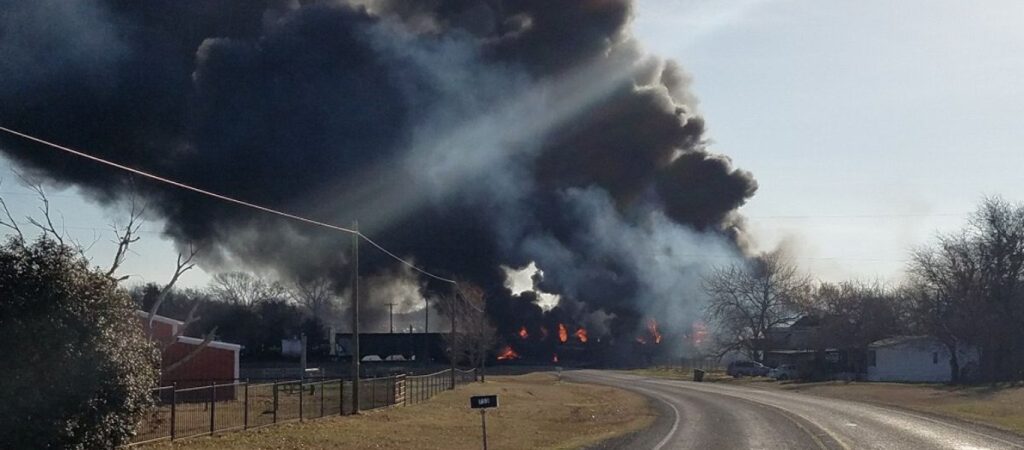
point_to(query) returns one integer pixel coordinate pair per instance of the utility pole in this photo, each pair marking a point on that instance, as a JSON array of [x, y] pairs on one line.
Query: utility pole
[[391, 314], [454, 339], [426, 331], [355, 318], [303, 357]]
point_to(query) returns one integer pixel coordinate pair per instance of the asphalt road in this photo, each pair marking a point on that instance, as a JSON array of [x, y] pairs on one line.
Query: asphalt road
[[721, 416]]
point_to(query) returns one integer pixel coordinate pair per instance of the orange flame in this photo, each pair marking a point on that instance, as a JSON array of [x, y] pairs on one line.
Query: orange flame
[[523, 334], [555, 358], [581, 334], [700, 332], [563, 334], [507, 353], [652, 326]]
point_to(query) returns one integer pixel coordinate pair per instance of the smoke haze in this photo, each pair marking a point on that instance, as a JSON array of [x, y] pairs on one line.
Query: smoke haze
[[466, 135]]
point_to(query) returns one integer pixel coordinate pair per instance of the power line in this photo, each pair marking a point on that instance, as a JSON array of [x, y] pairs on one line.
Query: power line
[[221, 197], [857, 216]]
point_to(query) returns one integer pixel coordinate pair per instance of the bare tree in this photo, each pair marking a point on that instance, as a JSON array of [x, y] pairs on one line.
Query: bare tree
[[855, 314], [46, 224], [8, 221], [125, 236], [475, 336], [968, 289], [243, 288], [316, 294], [748, 299]]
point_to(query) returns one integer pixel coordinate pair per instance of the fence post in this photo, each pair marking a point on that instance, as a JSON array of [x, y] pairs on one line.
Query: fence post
[[174, 406], [275, 402], [213, 405], [341, 396], [373, 394], [245, 420], [301, 394], [321, 396]]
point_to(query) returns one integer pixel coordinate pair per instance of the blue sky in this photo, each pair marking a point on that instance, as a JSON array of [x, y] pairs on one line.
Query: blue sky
[[869, 125]]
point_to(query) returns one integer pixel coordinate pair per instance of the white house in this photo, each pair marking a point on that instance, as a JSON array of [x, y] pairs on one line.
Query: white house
[[913, 358]]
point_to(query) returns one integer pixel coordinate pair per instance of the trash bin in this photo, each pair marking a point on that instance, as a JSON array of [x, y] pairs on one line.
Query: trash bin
[[698, 375]]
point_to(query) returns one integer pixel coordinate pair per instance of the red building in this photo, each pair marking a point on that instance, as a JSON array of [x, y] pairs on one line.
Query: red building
[[217, 362]]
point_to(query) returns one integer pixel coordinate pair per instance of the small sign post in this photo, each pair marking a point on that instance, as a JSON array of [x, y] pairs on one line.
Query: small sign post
[[482, 402]]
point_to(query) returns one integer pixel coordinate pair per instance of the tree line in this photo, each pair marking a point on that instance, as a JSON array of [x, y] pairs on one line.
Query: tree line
[[253, 312], [966, 289]]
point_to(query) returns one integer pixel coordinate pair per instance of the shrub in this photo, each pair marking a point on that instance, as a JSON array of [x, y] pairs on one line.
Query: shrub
[[76, 369]]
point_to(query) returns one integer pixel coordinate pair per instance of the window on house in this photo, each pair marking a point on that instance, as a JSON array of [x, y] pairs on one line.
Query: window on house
[[871, 358], [935, 357]]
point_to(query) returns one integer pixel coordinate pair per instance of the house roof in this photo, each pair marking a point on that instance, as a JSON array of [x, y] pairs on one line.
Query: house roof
[[806, 322], [213, 344], [159, 318], [186, 339], [904, 340]]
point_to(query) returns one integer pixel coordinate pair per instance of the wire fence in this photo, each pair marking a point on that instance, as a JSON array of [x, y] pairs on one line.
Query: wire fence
[[241, 405], [421, 388]]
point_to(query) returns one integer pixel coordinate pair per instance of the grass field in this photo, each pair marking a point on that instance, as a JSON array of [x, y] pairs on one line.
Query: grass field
[[537, 411]]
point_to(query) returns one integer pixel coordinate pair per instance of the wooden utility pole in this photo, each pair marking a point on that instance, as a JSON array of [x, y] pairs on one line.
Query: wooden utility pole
[[303, 357], [454, 339], [391, 315], [355, 318], [426, 331]]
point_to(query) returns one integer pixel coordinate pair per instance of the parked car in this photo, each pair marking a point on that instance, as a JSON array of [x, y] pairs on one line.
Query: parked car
[[784, 372], [746, 369]]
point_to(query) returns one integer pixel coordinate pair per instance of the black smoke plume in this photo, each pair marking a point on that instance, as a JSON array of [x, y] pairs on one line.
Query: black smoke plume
[[466, 135]]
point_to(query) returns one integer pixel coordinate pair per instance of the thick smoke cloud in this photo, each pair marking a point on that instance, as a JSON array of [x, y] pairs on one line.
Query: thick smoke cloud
[[466, 134]]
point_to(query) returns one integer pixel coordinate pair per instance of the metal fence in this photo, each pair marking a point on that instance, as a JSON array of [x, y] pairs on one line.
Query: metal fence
[[420, 388], [194, 411], [706, 364]]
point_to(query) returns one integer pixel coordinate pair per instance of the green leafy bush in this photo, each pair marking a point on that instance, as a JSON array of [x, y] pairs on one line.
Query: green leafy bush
[[76, 369]]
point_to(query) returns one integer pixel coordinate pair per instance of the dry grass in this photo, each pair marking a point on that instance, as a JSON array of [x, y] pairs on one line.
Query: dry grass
[[536, 411]]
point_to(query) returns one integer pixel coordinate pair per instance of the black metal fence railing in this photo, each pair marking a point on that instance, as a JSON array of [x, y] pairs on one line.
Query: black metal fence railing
[[240, 405], [421, 388]]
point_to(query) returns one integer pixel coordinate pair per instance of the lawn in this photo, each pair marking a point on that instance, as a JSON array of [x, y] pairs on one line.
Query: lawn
[[537, 411]]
